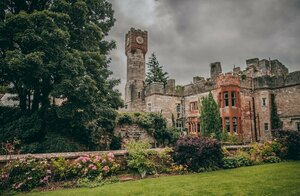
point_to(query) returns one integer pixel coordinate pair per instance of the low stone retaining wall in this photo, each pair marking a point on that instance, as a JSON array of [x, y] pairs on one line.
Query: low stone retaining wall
[[120, 155]]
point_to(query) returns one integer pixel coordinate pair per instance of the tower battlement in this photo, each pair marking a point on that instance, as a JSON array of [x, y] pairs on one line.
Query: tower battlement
[[136, 39]]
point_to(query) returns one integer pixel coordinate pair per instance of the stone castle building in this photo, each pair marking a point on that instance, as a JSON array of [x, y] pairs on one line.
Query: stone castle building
[[244, 96]]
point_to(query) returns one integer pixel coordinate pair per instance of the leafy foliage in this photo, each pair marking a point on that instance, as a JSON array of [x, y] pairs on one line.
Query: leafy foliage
[[153, 123], [290, 140], [145, 161], [54, 53], [210, 116], [198, 153], [155, 72], [26, 174], [138, 158]]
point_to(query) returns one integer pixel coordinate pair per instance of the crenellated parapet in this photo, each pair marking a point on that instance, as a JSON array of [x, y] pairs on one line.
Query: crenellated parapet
[[227, 79], [273, 82]]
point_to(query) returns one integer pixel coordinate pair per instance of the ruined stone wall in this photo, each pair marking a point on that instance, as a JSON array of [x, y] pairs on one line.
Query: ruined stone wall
[[132, 132], [198, 87]]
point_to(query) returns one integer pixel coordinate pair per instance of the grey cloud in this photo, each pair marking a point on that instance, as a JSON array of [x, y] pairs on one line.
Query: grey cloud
[[188, 35]]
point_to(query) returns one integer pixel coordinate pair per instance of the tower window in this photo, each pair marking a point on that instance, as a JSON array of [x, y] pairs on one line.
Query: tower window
[[234, 123], [139, 95], [226, 101], [264, 102], [149, 105], [233, 98], [227, 124], [266, 125], [178, 107], [298, 126]]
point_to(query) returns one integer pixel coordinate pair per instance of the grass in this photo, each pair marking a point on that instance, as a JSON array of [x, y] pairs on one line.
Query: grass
[[270, 179]]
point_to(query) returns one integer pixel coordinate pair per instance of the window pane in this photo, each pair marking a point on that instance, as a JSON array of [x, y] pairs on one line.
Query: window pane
[[266, 126]]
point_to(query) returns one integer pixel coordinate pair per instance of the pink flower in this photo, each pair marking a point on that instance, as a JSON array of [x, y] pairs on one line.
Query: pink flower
[[97, 158], [110, 155], [85, 171], [105, 168], [270, 142], [91, 165], [94, 168]]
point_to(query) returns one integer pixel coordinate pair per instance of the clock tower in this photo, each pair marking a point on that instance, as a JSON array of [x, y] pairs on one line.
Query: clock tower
[[136, 45]]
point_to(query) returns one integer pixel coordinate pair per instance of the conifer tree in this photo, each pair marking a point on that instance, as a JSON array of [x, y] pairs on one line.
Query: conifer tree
[[155, 72], [210, 116]]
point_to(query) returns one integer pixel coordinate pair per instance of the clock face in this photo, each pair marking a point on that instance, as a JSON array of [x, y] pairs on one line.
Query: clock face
[[139, 40]]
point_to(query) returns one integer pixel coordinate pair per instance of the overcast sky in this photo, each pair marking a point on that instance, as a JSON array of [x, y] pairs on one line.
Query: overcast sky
[[188, 35]]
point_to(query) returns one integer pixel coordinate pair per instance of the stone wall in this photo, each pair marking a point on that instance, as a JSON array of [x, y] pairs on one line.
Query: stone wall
[[288, 105], [132, 132], [164, 104], [263, 117]]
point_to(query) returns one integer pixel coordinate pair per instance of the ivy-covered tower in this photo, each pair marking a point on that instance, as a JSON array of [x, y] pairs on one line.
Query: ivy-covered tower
[[135, 49]]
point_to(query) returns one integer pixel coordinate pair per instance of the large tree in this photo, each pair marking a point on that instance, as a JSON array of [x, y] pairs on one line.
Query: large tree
[[155, 71], [56, 50], [210, 116]]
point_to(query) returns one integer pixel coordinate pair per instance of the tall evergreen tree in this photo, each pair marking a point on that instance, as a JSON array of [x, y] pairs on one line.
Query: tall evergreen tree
[[155, 71], [210, 116]]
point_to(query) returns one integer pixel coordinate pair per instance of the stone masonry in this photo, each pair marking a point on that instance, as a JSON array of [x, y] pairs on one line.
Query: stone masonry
[[244, 96]]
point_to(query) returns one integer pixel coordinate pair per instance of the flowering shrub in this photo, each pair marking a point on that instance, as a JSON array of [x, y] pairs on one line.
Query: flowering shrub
[[178, 169], [25, 174], [198, 153], [90, 166], [266, 152]]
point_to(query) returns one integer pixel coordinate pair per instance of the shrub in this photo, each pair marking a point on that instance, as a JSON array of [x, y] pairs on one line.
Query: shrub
[[163, 160], [290, 140], [266, 152], [198, 153], [25, 174], [230, 162], [239, 159], [90, 166], [62, 169], [138, 158]]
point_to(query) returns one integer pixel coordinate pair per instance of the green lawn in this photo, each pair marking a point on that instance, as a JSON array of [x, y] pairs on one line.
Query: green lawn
[[269, 179]]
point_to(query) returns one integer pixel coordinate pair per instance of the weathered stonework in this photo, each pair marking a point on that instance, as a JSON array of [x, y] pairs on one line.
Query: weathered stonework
[[244, 96], [132, 132]]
